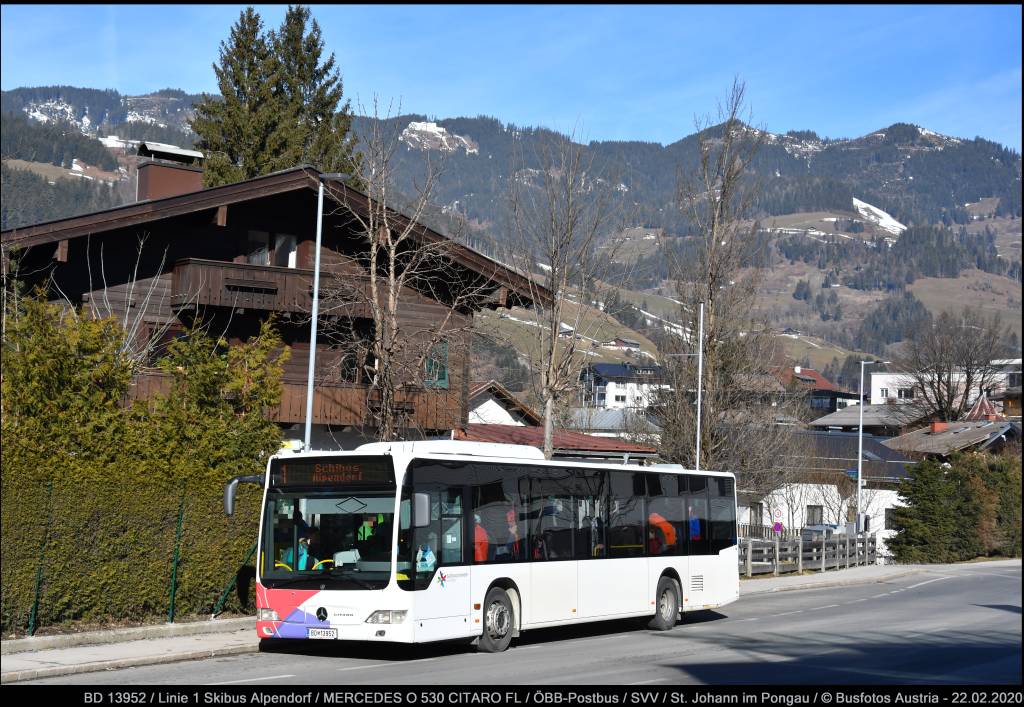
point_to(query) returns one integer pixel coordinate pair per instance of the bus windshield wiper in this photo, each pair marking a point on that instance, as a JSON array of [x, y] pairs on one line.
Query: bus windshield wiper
[[294, 580], [341, 573]]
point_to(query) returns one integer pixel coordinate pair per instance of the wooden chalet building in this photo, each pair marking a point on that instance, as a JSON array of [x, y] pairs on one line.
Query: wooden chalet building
[[233, 255]]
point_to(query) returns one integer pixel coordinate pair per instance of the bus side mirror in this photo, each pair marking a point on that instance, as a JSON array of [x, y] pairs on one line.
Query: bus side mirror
[[231, 486], [421, 512]]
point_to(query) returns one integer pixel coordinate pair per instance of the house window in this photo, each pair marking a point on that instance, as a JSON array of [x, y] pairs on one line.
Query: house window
[[756, 514], [885, 393], [620, 398], [284, 250], [814, 515], [890, 519], [906, 393], [436, 367], [257, 251]]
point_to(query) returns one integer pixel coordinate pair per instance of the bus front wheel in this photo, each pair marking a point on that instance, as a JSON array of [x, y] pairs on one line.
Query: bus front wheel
[[666, 606], [499, 622]]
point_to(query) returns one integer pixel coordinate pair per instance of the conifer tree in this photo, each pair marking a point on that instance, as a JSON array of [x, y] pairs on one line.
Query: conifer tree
[[279, 105], [315, 131], [239, 130]]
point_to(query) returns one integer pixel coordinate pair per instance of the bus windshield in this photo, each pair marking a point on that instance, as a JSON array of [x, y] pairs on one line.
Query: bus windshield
[[329, 522]]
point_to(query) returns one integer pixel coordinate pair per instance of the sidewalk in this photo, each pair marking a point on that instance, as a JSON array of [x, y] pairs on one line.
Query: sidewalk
[[51, 656], [865, 574]]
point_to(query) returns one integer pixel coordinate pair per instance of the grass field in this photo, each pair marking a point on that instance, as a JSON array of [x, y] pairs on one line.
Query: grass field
[[973, 289]]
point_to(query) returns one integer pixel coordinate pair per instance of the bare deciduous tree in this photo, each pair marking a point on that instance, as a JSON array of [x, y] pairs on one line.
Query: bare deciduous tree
[[948, 360], [739, 428], [560, 212], [370, 293]]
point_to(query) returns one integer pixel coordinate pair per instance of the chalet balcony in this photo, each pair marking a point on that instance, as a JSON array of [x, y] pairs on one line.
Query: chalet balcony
[[339, 404], [214, 283]]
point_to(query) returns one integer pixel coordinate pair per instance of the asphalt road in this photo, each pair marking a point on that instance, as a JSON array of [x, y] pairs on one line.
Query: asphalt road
[[951, 625]]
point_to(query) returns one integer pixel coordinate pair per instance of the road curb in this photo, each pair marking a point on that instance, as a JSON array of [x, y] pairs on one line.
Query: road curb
[[40, 673], [839, 583], [120, 635]]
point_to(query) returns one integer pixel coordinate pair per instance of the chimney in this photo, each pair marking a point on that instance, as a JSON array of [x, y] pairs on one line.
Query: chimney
[[166, 170], [939, 427]]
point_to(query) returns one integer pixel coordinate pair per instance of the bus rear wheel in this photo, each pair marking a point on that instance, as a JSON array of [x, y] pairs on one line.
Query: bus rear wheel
[[499, 622], [666, 606]]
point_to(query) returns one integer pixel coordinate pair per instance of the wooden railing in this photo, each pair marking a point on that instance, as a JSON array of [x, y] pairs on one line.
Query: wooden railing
[[766, 532], [341, 404], [780, 556], [241, 285]]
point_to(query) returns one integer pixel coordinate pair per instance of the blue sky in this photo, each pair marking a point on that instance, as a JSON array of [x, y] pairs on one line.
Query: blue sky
[[614, 72]]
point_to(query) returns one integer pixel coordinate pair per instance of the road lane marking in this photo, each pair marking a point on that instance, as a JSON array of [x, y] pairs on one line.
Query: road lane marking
[[929, 581], [647, 682], [384, 665], [235, 682], [879, 596], [789, 613], [817, 608], [857, 601], [994, 574]]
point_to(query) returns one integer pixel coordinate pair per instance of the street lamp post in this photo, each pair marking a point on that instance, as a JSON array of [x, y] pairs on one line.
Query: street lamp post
[[316, 302], [860, 443]]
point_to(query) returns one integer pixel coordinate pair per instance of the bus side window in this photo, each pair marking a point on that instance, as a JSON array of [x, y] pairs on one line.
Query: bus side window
[[697, 514], [626, 515], [666, 531], [551, 513], [722, 513], [591, 514]]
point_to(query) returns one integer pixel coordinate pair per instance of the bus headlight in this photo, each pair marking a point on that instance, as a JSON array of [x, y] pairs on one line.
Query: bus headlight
[[267, 615], [386, 617]]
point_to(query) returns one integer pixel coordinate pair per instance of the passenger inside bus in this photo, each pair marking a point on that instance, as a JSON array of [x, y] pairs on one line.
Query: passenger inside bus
[[306, 559], [481, 541]]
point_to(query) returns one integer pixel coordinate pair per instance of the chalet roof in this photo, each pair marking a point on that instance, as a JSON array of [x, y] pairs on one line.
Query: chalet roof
[[884, 415], [566, 443], [297, 178], [506, 397], [955, 437]]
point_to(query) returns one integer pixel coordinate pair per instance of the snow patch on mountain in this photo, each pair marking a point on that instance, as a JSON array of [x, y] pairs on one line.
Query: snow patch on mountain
[[55, 111], [431, 136], [878, 217], [136, 117]]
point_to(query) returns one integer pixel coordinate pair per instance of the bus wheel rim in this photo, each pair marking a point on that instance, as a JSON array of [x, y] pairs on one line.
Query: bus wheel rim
[[666, 604], [497, 620]]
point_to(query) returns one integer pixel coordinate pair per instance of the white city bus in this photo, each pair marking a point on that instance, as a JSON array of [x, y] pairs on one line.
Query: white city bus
[[427, 541]]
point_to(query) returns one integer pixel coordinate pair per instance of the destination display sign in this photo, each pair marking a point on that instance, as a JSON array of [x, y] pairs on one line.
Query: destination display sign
[[332, 471]]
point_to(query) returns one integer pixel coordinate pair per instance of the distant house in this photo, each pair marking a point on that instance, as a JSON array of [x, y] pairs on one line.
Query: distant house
[[823, 394], [880, 420], [821, 486], [896, 387], [568, 444], [491, 403], [620, 385], [619, 344]]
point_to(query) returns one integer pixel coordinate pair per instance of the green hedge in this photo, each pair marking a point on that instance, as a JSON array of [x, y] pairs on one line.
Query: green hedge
[[92, 489]]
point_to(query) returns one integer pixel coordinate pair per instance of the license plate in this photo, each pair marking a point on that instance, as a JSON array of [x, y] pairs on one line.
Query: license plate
[[321, 633]]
